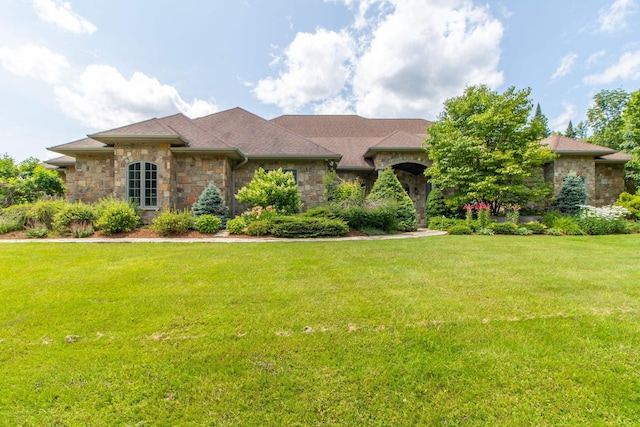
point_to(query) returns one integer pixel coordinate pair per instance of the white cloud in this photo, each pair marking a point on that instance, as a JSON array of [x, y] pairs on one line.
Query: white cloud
[[594, 58], [103, 98], [561, 122], [615, 17], [59, 13], [34, 61], [412, 55], [316, 68], [627, 68], [336, 105], [566, 65]]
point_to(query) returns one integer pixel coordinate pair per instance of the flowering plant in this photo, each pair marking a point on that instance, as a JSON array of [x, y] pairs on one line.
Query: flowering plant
[[482, 211], [603, 220]]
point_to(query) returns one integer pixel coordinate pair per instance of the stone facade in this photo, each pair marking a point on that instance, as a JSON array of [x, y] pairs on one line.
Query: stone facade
[[583, 166], [91, 179], [609, 182], [194, 172]]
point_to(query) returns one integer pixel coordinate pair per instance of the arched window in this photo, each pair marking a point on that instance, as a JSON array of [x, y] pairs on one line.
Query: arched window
[[142, 184]]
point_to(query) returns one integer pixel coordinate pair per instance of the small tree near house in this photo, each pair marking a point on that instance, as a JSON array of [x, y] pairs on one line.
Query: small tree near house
[[573, 193], [387, 188], [211, 202]]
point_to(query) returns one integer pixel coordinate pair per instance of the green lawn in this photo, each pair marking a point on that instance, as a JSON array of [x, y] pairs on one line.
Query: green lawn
[[451, 330]]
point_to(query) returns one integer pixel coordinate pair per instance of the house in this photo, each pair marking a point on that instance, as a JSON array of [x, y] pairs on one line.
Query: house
[[167, 162]]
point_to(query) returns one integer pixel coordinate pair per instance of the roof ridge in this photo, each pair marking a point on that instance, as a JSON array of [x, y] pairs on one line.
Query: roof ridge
[[300, 136]]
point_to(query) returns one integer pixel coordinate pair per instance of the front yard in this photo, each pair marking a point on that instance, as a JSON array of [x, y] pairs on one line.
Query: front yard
[[451, 330]]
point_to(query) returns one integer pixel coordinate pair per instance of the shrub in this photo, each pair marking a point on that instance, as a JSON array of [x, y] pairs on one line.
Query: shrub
[[172, 222], [459, 229], [211, 202], [552, 232], [442, 223], [550, 217], [330, 182], [274, 188], [208, 223], [534, 226], [8, 225], [39, 232], [369, 216], [349, 192], [522, 231], [44, 211], [604, 220], [567, 225], [436, 207], [503, 228], [118, 217], [388, 188], [630, 202], [301, 226], [236, 225], [19, 214], [572, 195], [258, 228], [320, 211], [81, 230], [73, 213], [257, 213]]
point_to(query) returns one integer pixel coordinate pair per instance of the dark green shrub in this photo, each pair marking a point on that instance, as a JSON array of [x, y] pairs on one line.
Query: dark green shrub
[[208, 223], [436, 207], [73, 213], [388, 188], [260, 227], [330, 182], [573, 193], [369, 216], [211, 202], [503, 228], [172, 222], [39, 232], [534, 226], [459, 229], [236, 225], [118, 217], [550, 217], [274, 188], [442, 223], [302, 226]]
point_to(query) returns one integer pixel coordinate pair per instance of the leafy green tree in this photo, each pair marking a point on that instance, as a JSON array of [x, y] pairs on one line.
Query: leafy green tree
[[605, 118], [26, 182], [631, 139], [570, 132], [274, 188], [387, 188], [581, 130], [211, 202], [485, 149], [541, 122]]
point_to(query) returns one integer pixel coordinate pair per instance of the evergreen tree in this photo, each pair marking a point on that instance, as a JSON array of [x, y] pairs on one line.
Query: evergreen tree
[[581, 130], [387, 188], [570, 132], [541, 123], [211, 202], [573, 193], [435, 204]]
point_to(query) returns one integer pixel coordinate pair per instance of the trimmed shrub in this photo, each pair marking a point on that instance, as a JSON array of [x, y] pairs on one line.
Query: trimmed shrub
[[459, 229], [371, 216], [534, 226], [211, 202], [274, 188], [388, 188], [73, 213], [208, 223], [236, 225], [172, 222], [320, 211], [118, 217], [436, 207], [442, 223], [301, 226], [36, 232], [503, 228], [258, 228], [573, 193]]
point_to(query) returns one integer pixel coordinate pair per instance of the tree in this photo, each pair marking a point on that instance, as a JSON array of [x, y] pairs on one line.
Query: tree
[[387, 188], [605, 118], [570, 132], [435, 204], [274, 188], [211, 202], [26, 182], [541, 122], [581, 130], [631, 139], [484, 148], [572, 194]]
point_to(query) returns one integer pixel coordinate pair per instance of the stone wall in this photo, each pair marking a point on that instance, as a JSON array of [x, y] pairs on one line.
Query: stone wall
[[310, 179], [92, 178], [386, 159], [609, 182], [194, 172], [583, 166]]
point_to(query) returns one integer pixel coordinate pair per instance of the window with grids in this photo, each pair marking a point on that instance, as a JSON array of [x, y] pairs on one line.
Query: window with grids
[[142, 184]]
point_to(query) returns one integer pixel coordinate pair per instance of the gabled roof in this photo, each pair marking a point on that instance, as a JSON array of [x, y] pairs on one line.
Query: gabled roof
[[349, 126], [61, 161], [81, 145], [151, 130], [614, 158], [259, 138], [564, 145]]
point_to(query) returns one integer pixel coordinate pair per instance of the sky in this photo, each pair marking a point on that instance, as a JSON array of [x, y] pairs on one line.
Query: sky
[[69, 68]]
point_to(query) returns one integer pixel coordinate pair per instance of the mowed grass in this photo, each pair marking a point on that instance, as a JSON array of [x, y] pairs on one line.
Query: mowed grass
[[452, 330]]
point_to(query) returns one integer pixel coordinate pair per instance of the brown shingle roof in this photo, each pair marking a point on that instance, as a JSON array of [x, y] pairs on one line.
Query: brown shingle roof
[[564, 145], [614, 158], [194, 135], [152, 127], [349, 126], [352, 150], [257, 137]]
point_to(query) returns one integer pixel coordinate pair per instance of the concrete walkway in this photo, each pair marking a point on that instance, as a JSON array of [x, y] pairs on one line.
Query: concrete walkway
[[222, 237]]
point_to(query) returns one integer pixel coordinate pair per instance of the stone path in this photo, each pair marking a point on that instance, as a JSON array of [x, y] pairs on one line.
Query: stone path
[[223, 238]]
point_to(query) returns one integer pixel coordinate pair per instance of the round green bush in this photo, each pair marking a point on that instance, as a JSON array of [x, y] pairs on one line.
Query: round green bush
[[75, 213], [504, 228], [258, 228], [171, 222], [208, 223], [236, 225], [118, 217], [459, 229]]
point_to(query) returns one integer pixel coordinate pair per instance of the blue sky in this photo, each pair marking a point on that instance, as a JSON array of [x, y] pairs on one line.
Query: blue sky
[[71, 68]]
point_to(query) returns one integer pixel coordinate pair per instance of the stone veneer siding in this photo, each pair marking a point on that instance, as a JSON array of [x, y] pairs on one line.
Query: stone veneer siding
[[194, 172], [609, 182], [92, 178], [583, 166], [310, 178]]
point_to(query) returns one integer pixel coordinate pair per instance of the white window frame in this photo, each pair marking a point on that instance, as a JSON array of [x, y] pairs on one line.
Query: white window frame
[[143, 188]]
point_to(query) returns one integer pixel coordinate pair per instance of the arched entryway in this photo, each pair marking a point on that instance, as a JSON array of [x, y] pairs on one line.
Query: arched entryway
[[411, 176]]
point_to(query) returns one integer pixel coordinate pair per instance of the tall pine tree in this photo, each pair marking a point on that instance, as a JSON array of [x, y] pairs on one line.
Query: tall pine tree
[[570, 132], [540, 123], [211, 202]]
